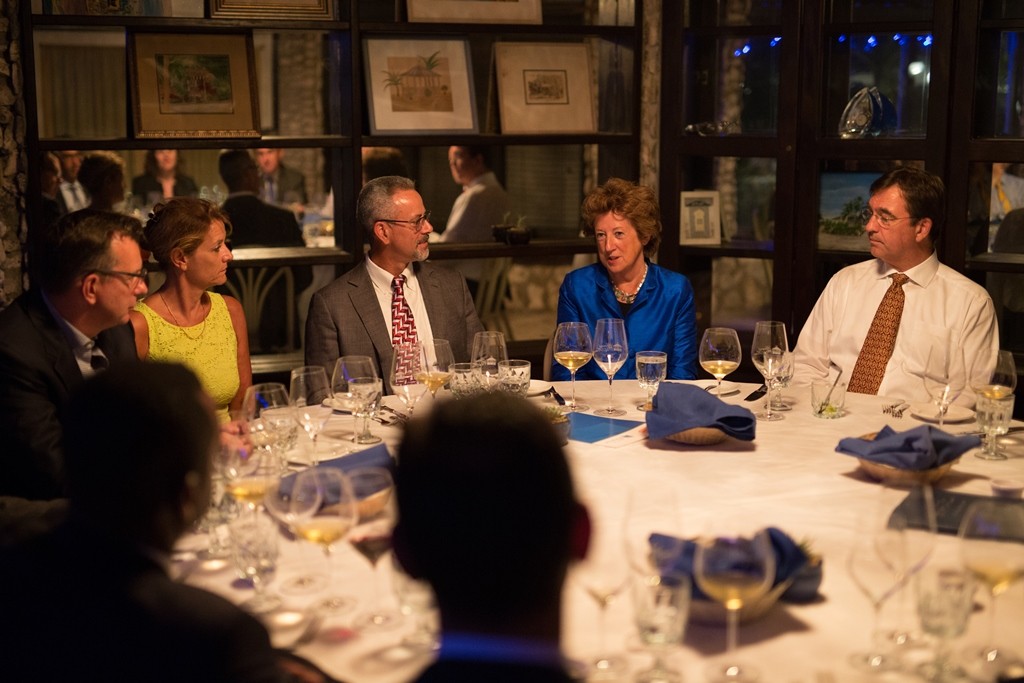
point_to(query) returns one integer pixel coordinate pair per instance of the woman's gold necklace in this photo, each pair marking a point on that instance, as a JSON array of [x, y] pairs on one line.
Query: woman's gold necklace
[[182, 327], [624, 298]]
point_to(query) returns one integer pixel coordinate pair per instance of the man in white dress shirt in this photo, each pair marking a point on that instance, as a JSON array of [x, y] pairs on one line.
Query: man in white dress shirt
[[482, 204], [903, 223]]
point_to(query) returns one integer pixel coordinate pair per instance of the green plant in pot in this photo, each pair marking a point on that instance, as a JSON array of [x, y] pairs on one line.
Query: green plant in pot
[[560, 421]]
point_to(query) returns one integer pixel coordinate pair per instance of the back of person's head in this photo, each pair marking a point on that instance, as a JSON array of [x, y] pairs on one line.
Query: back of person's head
[[180, 223], [923, 193], [235, 165], [381, 161], [134, 438], [77, 244], [486, 506], [375, 201], [637, 203], [98, 169]]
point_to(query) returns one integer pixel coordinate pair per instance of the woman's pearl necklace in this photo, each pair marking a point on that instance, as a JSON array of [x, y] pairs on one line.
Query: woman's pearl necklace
[[624, 298]]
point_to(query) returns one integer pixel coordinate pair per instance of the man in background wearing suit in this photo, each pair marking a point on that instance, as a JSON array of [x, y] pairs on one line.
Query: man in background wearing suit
[[253, 221], [279, 184], [354, 314], [496, 563], [92, 599], [72, 195], [87, 275]]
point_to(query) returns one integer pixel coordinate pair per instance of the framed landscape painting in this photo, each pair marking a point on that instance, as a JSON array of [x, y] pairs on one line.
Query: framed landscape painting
[[419, 85], [193, 85], [476, 11], [545, 88]]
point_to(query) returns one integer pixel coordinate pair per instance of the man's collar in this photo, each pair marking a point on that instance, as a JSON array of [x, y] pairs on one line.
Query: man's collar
[[76, 338], [922, 274]]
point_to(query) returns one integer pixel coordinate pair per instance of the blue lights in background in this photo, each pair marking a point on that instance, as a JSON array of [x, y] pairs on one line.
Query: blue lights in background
[[739, 52], [871, 42]]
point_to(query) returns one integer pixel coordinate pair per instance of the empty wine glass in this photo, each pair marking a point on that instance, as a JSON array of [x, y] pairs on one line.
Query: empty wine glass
[[347, 369], [651, 368], [254, 552], [573, 349], [309, 387], [488, 349], [374, 491], [735, 567], [782, 379], [994, 390], [292, 500], [611, 349], [268, 411], [944, 375], [945, 599], [991, 532], [661, 605], [914, 526], [406, 364], [416, 601], [437, 361], [720, 353], [366, 394], [768, 353]]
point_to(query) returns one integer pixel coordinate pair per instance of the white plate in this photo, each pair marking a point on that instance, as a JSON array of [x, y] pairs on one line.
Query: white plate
[[728, 388], [538, 387], [337, 404], [929, 412]]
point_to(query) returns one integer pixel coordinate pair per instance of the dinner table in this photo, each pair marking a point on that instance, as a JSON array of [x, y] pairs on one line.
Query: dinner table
[[790, 477]]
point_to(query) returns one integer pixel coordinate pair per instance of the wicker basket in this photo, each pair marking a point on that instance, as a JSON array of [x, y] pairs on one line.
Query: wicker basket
[[895, 475], [699, 436]]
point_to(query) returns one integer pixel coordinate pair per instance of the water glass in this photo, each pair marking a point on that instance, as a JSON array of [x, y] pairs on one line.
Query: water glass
[[514, 377], [488, 348], [660, 608], [651, 368], [993, 416], [254, 552], [464, 381], [827, 399], [945, 599]]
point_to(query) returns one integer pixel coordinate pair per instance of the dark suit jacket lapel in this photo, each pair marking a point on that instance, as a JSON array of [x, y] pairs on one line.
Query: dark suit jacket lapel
[[56, 347], [433, 300], [364, 301]]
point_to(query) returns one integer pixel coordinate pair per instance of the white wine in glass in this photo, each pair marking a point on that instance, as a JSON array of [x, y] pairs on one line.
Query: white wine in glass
[[720, 353], [573, 348], [611, 349], [994, 390], [436, 367]]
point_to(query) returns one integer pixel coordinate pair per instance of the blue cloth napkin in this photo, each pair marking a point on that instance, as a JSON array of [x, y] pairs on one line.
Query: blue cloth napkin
[[678, 407], [375, 456], [789, 557], [920, 448]]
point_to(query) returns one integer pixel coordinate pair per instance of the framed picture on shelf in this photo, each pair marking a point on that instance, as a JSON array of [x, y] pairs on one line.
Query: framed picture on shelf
[[272, 9], [476, 11], [185, 85], [699, 218], [123, 8], [544, 88], [419, 85], [843, 196]]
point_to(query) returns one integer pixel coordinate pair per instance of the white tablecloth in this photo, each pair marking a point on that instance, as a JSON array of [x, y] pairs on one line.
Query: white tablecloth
[[789, 477]]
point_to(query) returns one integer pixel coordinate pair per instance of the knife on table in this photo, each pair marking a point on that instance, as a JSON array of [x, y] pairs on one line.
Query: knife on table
[[757, 393], [557, 396]]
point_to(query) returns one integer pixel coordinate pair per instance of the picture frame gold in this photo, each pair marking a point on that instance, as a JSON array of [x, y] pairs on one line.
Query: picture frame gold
[[699, 217], [272, 9], [419, 85], [193, 85], [545, 88], [475, 11]]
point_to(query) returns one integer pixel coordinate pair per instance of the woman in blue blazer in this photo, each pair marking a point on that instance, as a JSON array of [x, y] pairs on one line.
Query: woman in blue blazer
[[656, 304]]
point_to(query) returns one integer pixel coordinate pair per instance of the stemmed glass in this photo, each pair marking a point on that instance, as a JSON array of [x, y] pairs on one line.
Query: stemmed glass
[[734, 569], [991, 533], [488, 350], [994, 405], [248, 472], [353, 383], [436, 368], [768, 353], [782, 379], [661, 605], [945, 599], [309, 387], [611, 349], [944, 375], [720, 353], [415, 600], [573, 349], [651, 368], [292, 500], [406, 365], [374, 490], [366, 394], [272, 425], [254, 552], [330, 523]]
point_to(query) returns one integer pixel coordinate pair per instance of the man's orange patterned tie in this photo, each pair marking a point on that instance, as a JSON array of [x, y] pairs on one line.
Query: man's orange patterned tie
[[878, 345]]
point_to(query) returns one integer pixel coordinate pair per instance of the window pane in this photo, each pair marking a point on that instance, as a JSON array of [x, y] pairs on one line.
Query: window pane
[[741, 292], [706, 13], [746, 187], [999, 85], [880, 10]]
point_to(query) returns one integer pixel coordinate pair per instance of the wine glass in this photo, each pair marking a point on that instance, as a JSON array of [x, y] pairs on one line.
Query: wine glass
[[347, 369], [374, 491], [782, 379], [611, 349], [488, 349], [991, 532], [720, 353], [768, 353], [247, 473], [308, 389], [944, 375], [254, 552], [292, 500], [415, 600], [651, 368], [945, 599], [406, 365], [912, 528], [661, 605], [994, 391], [733, 567], [330, 522], [436, 364], [572, 350], [366, 394], [268, 411]]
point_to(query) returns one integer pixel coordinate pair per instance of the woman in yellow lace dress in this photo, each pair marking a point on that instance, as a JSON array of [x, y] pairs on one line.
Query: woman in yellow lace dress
[[184, 322]]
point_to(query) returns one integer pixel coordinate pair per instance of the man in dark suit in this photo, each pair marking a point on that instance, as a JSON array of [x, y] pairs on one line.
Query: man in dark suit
[[92, 599], [493, 533], [254, 223], [279, 184], [87, 275], [353, 314]]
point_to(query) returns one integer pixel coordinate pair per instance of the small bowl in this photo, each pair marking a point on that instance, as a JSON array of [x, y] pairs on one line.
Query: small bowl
[[894, 475], [1007, 488]]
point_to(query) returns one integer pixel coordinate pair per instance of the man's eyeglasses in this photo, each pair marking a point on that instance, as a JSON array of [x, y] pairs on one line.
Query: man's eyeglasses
[[132, 278], [416, 223], [884, 219]]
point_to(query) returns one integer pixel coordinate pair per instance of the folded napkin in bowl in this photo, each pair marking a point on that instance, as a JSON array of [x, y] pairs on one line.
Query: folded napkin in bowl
[[676, 556], [678, 407], [376, 456], [920, 448]]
